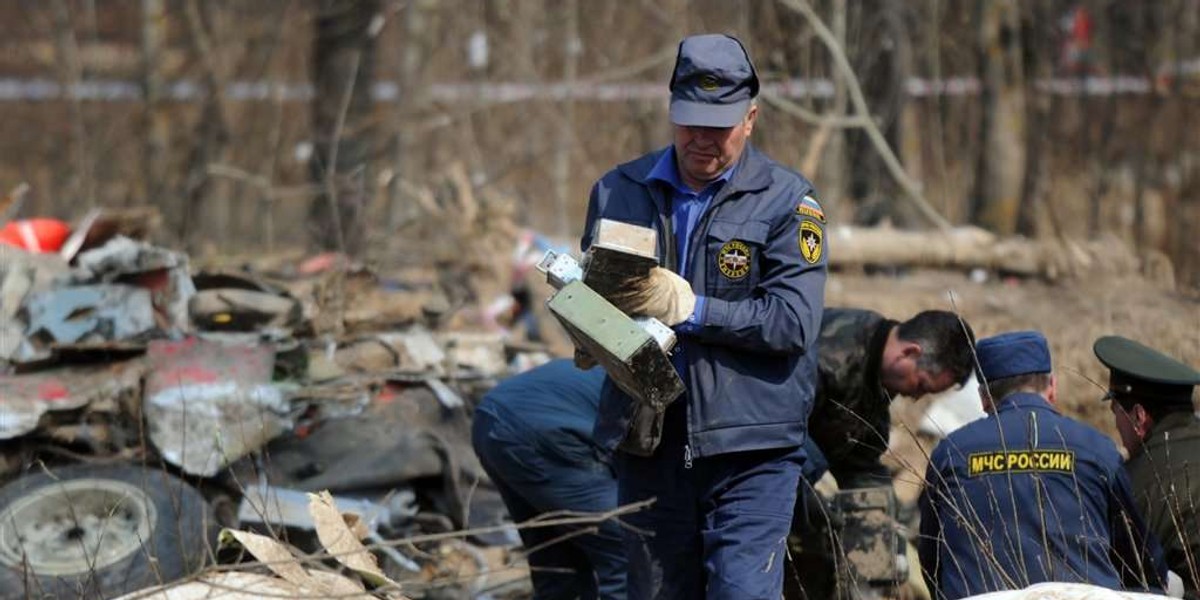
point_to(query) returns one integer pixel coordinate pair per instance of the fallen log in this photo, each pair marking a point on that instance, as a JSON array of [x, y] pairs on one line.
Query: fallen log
[[969, 248]]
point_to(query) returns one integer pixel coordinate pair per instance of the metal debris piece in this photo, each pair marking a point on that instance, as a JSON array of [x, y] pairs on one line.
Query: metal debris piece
[[481, 353], [420, 348], [446, 396], [282, 507], [337, 399], [208, 403], [242, 310], [414, 352], [163, 272], [25, 398], [88, 314], [22, 273], [632, 351], [239, 302], [101, 224], [619, 251], [15, 283], [632, 357], [13, 345]]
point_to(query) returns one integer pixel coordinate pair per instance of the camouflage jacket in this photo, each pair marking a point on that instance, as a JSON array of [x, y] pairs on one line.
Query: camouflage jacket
[[1166, 484], [850, 418]]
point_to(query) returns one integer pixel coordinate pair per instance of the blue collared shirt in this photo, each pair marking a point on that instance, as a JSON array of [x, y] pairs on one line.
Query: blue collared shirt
[[687, 205]]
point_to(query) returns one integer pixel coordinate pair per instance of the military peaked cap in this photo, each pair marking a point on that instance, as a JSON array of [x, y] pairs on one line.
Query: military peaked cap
[[1145, 373]]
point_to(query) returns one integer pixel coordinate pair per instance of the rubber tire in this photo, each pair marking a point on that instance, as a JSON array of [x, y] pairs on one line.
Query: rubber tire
[[179, 545]]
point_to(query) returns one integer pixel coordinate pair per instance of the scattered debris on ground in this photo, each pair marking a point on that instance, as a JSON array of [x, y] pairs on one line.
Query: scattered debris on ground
[[250, 392], [319, 410]]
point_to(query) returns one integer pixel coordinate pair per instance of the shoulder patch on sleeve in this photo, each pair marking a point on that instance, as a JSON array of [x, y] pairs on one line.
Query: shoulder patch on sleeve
[[809, 207], [812, 239]]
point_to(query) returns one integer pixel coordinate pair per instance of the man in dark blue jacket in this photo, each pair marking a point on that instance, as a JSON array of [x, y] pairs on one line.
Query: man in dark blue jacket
[[1028, 495], [743, 263], [533, 435]]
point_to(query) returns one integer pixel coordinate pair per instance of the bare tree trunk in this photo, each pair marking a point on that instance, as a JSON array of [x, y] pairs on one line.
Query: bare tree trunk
[[1184, 243], [908, 122], [70, 74], [411, 99], [862, 117], [1100, 118], [156, 134], [212, 133], [1040, 111], [565, 136], [833, 163], [343, 71], [998, 191]]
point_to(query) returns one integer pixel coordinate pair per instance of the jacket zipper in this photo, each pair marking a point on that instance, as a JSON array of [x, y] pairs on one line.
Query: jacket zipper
[[687, 456], [670, 259], [704, 222]]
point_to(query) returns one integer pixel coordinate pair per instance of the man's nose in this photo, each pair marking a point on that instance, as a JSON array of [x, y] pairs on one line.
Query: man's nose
[[702, 135]]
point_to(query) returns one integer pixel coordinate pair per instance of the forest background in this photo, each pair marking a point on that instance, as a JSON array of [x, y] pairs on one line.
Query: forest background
[[245, 122]]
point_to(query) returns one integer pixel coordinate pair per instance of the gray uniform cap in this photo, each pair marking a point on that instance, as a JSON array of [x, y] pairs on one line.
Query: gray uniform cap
[[713, 82]]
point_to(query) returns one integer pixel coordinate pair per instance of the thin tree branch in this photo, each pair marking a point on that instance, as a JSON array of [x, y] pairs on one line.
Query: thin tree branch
[[911, 186], [811, 117]]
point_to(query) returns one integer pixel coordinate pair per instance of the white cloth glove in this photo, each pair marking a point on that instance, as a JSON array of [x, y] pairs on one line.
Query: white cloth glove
[[660, 294]]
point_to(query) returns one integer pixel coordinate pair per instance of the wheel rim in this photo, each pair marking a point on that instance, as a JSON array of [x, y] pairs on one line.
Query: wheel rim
[[75, 526]]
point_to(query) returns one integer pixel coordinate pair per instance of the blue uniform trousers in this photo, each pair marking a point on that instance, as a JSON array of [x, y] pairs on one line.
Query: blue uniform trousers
[[535, 477], [719, 526]]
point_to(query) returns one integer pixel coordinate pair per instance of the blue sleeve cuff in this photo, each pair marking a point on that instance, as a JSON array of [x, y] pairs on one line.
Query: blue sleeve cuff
[[695, 321]]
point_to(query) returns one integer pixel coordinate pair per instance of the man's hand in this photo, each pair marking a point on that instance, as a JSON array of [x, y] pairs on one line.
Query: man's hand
[[660, 294]]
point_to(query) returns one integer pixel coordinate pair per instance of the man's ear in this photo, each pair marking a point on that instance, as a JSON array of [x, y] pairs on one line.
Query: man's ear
[[1052, 390], [1142, 421], [751, 117], [985, 399], [911, 350]]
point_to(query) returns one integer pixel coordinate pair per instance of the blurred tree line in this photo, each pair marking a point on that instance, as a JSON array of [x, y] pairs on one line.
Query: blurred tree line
[[254, 125]]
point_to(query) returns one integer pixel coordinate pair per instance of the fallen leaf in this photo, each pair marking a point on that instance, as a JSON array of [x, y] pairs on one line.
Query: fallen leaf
[[342, 542], [276, 557]]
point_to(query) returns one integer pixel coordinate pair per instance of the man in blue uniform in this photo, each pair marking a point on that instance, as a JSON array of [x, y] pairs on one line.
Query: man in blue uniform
[[1028, 495], [533, 435], [742, 277]]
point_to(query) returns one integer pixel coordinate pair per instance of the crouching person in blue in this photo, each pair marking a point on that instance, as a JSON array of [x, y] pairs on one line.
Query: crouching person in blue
[[742, 277], [533, 435], [1028, 495]]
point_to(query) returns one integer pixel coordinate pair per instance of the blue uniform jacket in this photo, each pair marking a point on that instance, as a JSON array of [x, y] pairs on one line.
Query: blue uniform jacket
[[555, 406], [1028, 495], [751, 364]]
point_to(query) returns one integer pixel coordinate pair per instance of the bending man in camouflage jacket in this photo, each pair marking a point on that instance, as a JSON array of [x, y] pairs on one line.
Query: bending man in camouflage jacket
[[863, 360]]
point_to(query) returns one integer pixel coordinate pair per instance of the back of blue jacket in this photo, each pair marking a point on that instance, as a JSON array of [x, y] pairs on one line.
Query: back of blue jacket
[[1028, 495], [554, 404], [751, 366]]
